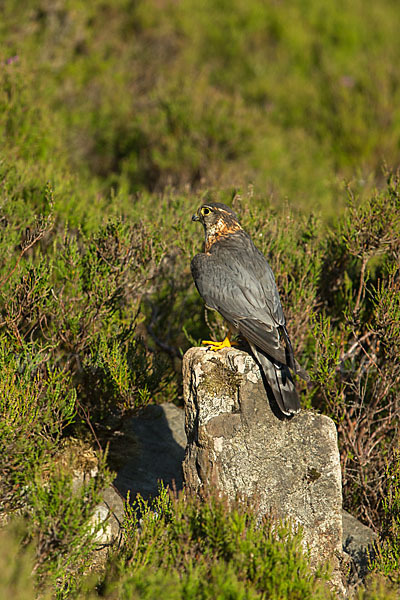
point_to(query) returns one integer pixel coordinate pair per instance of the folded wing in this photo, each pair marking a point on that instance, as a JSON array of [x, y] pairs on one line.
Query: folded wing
[[246, 295]]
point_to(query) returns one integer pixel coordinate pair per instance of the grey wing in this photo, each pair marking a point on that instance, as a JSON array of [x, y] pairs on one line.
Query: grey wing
[[246, 296]]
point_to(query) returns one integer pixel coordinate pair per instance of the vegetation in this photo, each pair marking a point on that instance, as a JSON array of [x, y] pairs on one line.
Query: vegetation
[[116, 120], [206, 548], [387, 559]]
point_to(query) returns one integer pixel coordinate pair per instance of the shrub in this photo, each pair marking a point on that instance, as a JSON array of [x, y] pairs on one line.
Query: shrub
[[16, 564], [60, 512], [185, 547], [290, 100], [386, 560], [358, 340], [35, 405]]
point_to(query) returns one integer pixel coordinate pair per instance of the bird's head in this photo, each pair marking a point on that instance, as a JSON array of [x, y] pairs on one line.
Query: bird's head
[[218, 221]]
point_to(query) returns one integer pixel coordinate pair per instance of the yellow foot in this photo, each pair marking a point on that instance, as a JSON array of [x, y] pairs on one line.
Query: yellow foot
[[226, 343]]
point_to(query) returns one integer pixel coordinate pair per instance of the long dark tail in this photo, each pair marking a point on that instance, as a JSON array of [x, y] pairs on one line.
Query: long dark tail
[[280, 381]]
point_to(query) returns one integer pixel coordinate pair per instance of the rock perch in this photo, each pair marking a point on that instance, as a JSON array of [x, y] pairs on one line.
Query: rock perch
[[237, 444]]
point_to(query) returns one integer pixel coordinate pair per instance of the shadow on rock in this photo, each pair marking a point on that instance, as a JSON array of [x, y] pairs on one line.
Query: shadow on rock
[[151, 449]]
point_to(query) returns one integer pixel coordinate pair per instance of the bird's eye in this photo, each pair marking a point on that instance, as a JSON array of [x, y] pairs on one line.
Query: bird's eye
[[205, 211]]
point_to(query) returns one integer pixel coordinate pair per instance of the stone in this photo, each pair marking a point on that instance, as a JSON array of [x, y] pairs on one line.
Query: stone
[[160, 430], [110, 513], [239, 445], [152, 450], [101, 525], [358, 543]]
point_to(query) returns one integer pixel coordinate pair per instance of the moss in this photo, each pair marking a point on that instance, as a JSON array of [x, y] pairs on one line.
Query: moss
[[221, 381], [312, 474]]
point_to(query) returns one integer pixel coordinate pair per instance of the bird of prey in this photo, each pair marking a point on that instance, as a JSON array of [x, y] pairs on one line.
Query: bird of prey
[[234, 278]]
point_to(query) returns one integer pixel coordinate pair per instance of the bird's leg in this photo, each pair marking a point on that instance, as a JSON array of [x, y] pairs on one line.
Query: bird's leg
[[226, 343]]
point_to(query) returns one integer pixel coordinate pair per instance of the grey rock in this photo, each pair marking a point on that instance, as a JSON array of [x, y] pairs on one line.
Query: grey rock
[[110, 512], [358, 542], [100, 524], [237, 444], [152, 449], [108, 515], [159, 434]]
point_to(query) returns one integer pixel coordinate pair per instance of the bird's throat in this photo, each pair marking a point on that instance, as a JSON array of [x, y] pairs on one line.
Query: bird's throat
[[220, 229]]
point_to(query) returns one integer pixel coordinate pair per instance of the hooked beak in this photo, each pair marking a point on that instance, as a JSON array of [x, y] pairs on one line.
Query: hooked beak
[[195, 217]]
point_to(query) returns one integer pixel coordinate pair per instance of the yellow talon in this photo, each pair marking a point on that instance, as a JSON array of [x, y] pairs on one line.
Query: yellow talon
[[226, 343]]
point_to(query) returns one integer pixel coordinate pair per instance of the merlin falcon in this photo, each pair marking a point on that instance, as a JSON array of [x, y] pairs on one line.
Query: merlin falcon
[[234, 278]]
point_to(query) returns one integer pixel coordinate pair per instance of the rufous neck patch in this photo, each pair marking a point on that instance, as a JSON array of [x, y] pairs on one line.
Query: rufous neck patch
[[220, 229]]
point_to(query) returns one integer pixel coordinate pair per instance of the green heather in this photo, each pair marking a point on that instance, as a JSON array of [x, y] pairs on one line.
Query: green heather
[[116, 120]]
